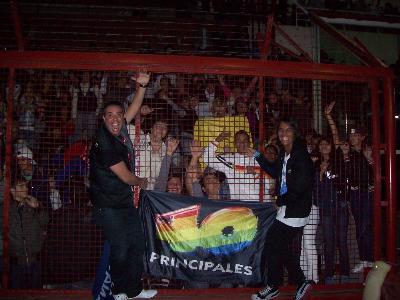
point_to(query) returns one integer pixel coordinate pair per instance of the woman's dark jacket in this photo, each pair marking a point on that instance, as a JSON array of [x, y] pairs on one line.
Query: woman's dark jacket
[[299, 180]]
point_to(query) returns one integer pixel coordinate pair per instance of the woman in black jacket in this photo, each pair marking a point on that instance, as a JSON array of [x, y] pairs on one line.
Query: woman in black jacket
[[293, 172]]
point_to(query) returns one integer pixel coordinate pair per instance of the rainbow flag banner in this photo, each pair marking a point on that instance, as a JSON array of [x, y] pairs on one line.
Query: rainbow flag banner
[[197, 239]]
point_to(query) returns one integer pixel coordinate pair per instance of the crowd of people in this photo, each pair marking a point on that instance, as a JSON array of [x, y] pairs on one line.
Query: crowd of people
[[57, 115]]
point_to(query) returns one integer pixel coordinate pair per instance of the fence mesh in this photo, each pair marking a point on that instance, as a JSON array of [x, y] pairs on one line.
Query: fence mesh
[[53, 241]]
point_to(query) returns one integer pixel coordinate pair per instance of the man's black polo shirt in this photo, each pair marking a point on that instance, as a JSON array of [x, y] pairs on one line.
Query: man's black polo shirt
[[106, 189]]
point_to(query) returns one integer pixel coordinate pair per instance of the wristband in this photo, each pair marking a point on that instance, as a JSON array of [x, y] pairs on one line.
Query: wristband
[[143, 85]]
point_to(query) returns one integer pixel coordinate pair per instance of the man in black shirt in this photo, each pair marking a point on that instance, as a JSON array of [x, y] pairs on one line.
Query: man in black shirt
[[112, 178]]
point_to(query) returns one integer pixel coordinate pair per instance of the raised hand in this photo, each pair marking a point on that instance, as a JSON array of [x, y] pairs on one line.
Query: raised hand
[[250, 152], [324, 166], [368, 154], [142, 183], [142, 78], [172, 144], [196, 149], [329, 107], [223, 136]]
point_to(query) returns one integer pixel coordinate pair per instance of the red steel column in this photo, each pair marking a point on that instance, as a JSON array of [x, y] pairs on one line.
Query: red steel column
[[17, 25], [390, 166], [7, 178], [261, 127], [376, 147]]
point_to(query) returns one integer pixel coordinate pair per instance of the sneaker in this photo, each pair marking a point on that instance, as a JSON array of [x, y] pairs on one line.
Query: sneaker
[[304, 290], [266, 293], [146, 294], [358, 268], [120, 296]]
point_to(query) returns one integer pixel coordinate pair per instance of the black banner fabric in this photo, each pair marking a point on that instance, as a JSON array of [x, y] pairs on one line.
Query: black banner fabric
[[197, 239]]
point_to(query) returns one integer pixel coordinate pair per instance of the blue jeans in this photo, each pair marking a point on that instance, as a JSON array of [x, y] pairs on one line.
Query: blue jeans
[[123, 230], [361, 208], [334, 231]]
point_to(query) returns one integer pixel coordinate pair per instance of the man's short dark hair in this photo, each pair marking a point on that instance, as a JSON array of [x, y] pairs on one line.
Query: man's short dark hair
[[242, 132], [112, 103]]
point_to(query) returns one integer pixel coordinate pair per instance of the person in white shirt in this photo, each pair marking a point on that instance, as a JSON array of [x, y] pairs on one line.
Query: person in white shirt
[[243, 173]]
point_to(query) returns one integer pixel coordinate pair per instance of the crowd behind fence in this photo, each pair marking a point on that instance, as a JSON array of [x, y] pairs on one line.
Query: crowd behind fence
[[53, 241]]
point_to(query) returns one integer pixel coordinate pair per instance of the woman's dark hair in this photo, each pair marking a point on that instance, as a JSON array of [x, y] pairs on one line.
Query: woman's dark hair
[[330, 141], [292, 123]]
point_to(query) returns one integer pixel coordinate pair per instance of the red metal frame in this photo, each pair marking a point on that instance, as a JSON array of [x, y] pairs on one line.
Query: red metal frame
[[376, 144], [17, 25], [163, 63], [390, 168], [7, 176], [268, 37], [200, 65]]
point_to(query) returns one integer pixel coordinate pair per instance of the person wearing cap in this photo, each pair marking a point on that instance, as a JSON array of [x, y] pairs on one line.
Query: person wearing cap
[[112, 166], [28, 222], [27, 169], [359, 187], [361, 196], [209, 183]]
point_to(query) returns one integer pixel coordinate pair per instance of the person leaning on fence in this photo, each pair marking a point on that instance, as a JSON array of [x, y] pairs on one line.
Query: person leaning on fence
[[111, 181], [28, 221], [294, 173], [360, 189]]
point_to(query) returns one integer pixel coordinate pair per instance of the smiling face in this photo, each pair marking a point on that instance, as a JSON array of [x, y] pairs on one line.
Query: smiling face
[[356, 140], [174, 185], [114, 119], [242, 142], [286, 135], [159, 131], [241, 108], [325, 147], [211, 185]]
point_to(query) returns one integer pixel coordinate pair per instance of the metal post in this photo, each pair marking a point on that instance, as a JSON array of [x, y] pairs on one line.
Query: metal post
[[390, 168], [7, 178], [376, 147]]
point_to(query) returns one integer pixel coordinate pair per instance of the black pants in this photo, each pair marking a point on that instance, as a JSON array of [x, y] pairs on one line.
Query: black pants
[[123, 229], [279, 253]]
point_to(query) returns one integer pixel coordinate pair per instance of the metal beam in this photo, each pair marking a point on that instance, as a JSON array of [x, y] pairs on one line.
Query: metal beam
[[268, 37], [194, 64], [366, 50], [293, 43], [390, 169], [290, 52], [341, 38], [17, 25]]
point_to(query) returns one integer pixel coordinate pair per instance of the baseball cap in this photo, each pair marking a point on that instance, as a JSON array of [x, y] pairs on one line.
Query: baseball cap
[[24, 152]]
